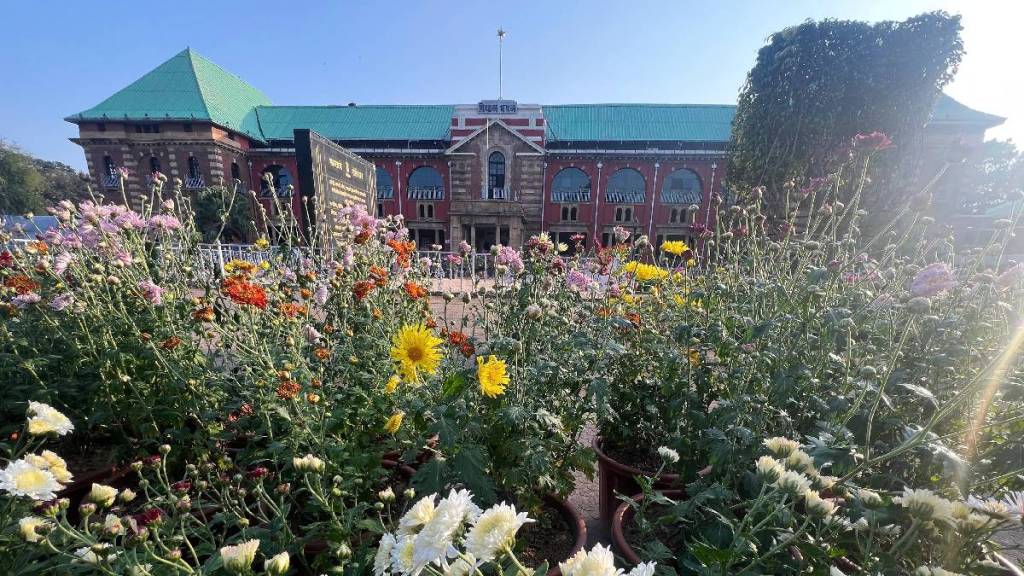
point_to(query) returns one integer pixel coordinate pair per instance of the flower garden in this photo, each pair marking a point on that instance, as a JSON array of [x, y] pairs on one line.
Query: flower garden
[[785, 397]]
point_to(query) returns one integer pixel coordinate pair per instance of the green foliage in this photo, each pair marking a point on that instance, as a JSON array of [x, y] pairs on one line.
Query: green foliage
[[816, 85], [21, 185]]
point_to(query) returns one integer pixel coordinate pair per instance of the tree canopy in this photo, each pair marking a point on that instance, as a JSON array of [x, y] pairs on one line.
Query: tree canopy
[[816, 85], [30, 184]]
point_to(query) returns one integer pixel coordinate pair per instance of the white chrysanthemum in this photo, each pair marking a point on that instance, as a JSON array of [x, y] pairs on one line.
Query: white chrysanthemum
[[926, 505], [959, 510], [102, 494], [20, 478], [112, 525], [49, 460], [1015, 504], [417, 516], [239, 558], [823, 482], [402, 555], [45, 419], [769, 469], [869, 498], [278, 564], [934, 571], [494, 530], [668, 454], [800, 461], [598, 562], [461, 567], [818, 506], [308, 463], [781, 447], [643, 569], [382, 561], [93, 554], [990, 506], [833, 571], [793, 482], [861, 525], [29, 527], [451, 514]]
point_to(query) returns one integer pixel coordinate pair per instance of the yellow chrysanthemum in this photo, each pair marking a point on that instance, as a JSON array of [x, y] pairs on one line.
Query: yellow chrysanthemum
[[415, 348], [683, 302], [262, 243], [394, 422], [674, 247], [492, 375], [392, 384], [644, 272]]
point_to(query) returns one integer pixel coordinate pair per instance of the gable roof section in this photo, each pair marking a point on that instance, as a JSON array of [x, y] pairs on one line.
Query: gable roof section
[[487, 126], [426, 122], [950, 111], [639, 122], [186, 87]]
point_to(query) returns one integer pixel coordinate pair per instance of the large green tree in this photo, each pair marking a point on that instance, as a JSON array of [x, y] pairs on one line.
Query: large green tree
[[816, 85], [21, 185]]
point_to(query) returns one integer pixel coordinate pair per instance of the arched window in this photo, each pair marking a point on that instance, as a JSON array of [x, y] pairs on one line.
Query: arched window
[[154, 164], [195, 174], [281, 178], [236, 172], [570, 185], [626, 186], [385, 188], [425, 183], [495, 176], [682, 186]]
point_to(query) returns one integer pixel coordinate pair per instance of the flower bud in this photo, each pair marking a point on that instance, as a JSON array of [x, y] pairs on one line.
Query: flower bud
[[277, 565]]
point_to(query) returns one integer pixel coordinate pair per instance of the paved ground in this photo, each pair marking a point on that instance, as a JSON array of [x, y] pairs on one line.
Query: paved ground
[[586, 501]]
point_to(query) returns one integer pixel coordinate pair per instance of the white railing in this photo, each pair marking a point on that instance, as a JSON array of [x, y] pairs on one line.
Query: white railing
[[194, 182], [385, 192], [426, 193], [624, 196], [111, 181], [581, 195], [496, 194]]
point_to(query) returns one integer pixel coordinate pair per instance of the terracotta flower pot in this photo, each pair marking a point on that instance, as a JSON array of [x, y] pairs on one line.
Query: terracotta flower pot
[[616, 477], [575, 521], [623, 515]]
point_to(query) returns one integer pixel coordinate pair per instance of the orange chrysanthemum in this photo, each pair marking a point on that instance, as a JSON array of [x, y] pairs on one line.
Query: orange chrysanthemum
[[171, 343], [204, 314], [244, 292], [21, 283], [378, 274], [288, 389], [291, 309], [362, 288], [415, 291]]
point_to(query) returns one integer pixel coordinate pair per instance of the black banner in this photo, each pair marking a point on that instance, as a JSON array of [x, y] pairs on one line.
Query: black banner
[[332, 177]]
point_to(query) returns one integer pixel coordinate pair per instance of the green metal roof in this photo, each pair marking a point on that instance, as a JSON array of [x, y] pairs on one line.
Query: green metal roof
[[188, 86], [949, 111], [358, 122], [638, 122]]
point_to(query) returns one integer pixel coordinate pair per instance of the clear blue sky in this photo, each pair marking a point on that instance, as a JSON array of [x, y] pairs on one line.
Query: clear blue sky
[[62, 57]]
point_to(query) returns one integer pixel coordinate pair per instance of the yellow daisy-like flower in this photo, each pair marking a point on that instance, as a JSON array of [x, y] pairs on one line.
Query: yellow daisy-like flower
[[392, 384], [415, 348], [394, 422], [683, 302], [674, 247], [644, 272], [492, 375], [694, 357], [262, 243]]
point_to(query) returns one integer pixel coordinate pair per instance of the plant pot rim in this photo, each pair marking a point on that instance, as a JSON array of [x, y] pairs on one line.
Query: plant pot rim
[[576, 523], [623, 514], [619, 467]]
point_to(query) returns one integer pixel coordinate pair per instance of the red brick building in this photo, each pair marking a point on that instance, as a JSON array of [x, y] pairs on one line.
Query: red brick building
[[496, 171]]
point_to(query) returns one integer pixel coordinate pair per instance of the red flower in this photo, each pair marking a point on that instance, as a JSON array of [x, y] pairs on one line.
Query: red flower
[[362, 288], [415, 291], [871, 142], [244, 292], [291, 309], [6, 259], [150, 516], [288, 389], [258, 472], [171, 343], [182, 486], [21, 283], [152, 460]]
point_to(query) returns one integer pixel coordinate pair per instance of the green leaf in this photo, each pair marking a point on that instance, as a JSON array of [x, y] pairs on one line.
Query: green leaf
[[453, 385]]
